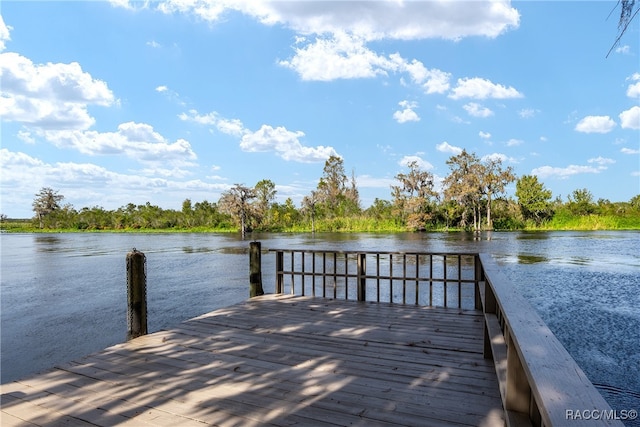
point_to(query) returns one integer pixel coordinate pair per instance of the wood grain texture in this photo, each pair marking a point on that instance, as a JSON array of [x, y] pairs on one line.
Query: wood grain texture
[[278, 360]]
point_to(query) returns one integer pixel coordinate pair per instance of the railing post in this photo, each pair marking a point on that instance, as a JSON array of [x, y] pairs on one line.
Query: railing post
[[444, 278], [136, 294], [477, 277], [362, 277], [279, 272], [255, 269], [489, 306], [518, 392]]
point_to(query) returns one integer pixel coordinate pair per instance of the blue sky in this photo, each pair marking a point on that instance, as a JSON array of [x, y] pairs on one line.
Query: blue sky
[[118, 102]]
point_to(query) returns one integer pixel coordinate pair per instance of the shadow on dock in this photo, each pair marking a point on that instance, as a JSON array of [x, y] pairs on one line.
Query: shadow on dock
[[278, 360]]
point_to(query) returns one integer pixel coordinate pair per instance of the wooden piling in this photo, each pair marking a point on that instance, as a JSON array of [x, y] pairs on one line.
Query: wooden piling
[[136, 294], [255, 270]]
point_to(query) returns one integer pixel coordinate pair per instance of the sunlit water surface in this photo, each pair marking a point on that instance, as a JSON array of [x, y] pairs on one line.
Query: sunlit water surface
[[64, 295]]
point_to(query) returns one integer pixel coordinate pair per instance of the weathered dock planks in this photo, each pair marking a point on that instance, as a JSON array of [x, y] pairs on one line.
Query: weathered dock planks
[[278, 360]]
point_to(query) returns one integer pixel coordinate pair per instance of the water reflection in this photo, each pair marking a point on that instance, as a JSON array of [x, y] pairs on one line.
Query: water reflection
[[230, 250], [196, 250], [48, 242], [532, 235], [531, 259]]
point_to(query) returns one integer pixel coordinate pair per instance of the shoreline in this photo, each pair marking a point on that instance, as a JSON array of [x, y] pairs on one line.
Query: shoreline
[[26, 230]]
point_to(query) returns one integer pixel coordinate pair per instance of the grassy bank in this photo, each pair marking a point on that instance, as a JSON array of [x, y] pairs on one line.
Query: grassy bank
[[587, 223], [357, 224]]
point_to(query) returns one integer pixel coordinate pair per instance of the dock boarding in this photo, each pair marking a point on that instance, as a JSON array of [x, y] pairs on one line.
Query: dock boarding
[[278, 360]]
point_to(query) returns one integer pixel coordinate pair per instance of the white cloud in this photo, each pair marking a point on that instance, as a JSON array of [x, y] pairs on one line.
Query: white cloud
[[162, 89], [422, 164], [484, 135], [630, 119], [332, 36], [514, 142], [345, 56], [207, 10], [626, 150], [623, 49], [175, 172], [26, 136], [285, 143], [445, 147], [368, 20], [595, 124], [601, 160], [120, 3], [5, 33], [494, 156], [460, 120], [478, 88], [154, 44], [431, 80], [341, 56], [527, 113], [49, 96], [476, 110], [406, 115], [233, 127], [499, 156], [137, 141], [633, 91], [87, 184], [194, 116], [563, 173]]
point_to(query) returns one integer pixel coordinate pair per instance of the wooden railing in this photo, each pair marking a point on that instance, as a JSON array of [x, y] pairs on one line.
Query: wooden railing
[[540, 383], [440, 279]]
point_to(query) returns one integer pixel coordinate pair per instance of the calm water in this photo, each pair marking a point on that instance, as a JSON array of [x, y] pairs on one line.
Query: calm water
[[64, 295]]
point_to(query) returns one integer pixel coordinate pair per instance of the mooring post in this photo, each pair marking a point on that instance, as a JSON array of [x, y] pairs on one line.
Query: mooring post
[[136, 294], [255, 269]]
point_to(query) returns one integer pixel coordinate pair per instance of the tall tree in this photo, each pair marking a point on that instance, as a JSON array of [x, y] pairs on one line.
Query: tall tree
[[265, 192], [464, 185], [494, 179], [47, 201], [332, 185], [187, 213], [533, 198], [581, 202], [235, 202], [309, 207], [412, 198], [286, 214], [352, 197]]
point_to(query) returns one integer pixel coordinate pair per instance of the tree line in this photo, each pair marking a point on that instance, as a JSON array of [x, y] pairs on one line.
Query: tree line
[[472, 198]]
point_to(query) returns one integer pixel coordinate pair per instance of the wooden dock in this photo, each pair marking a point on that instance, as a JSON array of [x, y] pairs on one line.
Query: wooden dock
[[278, 360]]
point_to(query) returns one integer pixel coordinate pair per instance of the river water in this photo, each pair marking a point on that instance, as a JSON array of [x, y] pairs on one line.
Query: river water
[[63, 296]]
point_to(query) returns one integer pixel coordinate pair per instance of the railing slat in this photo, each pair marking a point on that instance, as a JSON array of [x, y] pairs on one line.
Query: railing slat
[[417, 277]]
